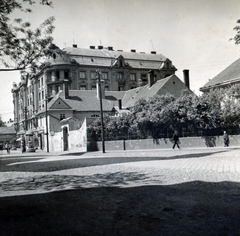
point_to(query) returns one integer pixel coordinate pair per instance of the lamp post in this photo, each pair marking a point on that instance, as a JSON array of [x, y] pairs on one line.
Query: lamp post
[[98, 74], [46, 113]]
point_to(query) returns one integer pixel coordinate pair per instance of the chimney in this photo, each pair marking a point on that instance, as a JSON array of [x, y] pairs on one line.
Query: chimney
[[102, 84], [92, 47], [186, 78], [150, 78], [65, 89], [74, 45], [120, 104], [100, 47]]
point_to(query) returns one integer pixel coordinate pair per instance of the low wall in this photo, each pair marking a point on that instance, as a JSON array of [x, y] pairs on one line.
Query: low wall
[[186, 142]]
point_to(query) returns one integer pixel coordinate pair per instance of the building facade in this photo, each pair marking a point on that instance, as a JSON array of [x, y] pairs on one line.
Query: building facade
[[74, 69]]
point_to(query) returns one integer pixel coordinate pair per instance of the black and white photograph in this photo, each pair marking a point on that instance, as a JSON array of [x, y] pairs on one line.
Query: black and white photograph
[[120, 118]]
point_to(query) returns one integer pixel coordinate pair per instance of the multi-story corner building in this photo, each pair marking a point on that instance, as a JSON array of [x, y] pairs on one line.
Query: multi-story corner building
[[75, 69]]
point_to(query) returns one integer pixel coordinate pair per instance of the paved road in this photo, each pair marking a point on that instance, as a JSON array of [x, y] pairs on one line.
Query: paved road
[[41, 172], [145, 192]]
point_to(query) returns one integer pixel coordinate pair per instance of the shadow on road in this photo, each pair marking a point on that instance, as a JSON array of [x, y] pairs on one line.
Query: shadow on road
[[85, 162], [194, 208]]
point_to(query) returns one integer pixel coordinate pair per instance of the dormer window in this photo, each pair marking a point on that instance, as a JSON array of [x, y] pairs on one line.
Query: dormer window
[[168, 64], [54, 56]]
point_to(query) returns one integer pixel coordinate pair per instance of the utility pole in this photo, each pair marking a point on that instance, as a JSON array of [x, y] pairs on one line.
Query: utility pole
[[101, 109], [46, 114], [26, 119]]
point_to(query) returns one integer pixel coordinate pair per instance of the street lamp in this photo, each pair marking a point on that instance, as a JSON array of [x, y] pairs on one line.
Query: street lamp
[[46, 113], [98, 74]]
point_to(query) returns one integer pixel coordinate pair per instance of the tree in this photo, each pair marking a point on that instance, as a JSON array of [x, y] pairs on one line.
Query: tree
[[1, 122], [237, 36], [22, 48]]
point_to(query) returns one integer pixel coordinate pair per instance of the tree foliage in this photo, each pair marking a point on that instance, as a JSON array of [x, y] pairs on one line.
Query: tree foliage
[[1, 122], [159, 116], [21, 47]]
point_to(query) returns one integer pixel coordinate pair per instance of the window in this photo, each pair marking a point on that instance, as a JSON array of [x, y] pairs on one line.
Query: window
[[105, 75], [120, 88], [57, 89], [144, 77], [42, 94], [132, 77], [82, 75], [93, 75], [42, 81], [119, 75], [66, 73], [94, 115], [106, 88], [82, 87], [94, 87], [62, 116]]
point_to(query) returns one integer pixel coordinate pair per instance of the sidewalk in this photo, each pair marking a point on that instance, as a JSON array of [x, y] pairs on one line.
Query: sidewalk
[[116, 153]]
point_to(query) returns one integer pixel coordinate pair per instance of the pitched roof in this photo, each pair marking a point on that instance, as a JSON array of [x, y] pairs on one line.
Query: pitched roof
[[104, 57], [145, 92], [228, 75], [7, 130], [85, 100]]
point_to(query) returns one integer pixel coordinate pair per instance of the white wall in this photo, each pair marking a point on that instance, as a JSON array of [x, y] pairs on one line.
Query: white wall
[[77, 140]]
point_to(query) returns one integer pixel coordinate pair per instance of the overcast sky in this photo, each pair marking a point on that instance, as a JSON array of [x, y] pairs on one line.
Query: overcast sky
[[193, 34]]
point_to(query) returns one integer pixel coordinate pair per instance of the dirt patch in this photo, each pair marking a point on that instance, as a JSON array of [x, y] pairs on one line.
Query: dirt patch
[[194, 208]]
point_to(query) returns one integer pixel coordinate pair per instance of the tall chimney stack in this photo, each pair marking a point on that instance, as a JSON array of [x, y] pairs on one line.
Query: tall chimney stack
[[65, 89], [150, 78], [186, 78], [120, 104]]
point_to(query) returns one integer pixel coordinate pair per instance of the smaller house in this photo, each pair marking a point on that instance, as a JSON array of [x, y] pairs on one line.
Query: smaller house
[[171, 84], [7, 134]]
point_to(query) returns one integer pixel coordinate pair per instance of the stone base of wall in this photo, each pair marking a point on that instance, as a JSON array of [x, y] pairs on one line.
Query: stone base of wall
[[186, 142]]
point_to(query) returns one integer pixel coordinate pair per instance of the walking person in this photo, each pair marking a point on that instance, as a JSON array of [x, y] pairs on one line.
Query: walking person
[[225, 139], [7, 146], [175, 140], [23, 145]]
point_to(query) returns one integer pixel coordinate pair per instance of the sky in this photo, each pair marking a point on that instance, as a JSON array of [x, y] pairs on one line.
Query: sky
[[193, 34]]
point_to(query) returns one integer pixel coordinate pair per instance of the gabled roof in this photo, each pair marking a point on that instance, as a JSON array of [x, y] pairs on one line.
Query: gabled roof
[[58, 104], [229, 75], [85, 100], [7, 130], [160, 87]]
